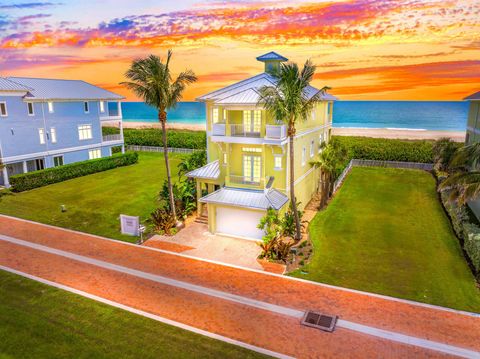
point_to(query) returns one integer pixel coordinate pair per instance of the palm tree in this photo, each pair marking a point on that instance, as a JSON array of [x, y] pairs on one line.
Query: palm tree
[[288, 101], [151, 80], [464, 183], [330, 161]]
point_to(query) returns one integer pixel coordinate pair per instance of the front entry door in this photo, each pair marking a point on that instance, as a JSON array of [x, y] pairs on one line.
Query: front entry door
[[252, 168]]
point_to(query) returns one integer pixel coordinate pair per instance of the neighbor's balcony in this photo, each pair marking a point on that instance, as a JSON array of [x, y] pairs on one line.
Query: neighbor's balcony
[[245, 181], [112, 138], [110, 111]]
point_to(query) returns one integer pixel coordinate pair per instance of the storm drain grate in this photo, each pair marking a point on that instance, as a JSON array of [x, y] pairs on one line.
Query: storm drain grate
[[319, 321]]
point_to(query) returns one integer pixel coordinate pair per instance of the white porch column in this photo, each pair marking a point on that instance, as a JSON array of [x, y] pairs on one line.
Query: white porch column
[[119, 106], [6, 182], [120, 124], [25, 169]]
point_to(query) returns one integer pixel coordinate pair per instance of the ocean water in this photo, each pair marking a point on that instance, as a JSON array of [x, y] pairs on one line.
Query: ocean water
[[414, 115]]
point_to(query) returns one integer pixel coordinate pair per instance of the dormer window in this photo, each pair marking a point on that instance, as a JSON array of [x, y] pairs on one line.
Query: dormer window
[[30, 109], [86, 107], [50, 107], [3, 109]]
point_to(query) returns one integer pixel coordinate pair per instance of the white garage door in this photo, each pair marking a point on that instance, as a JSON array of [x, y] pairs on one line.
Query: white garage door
[[238, 222]]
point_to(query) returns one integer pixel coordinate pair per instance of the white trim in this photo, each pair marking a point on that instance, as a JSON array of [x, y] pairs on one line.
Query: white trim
[[13, 93], [11, 159], [41, 99], [6, 110], [302, 177], [28, 108], [320, 284], [309, 131], [147, 315], [274, 308]]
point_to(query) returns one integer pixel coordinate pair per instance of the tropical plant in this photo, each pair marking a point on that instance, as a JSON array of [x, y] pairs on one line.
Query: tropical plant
[[330, 160], [194, 161], [463, 184], [184, 196], [289, 102], [162, 220], [151, 80], [443, 151], [287, 224]]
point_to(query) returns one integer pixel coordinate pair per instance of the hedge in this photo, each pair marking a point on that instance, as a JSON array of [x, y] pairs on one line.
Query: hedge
[[31, 180], [382, 149], [153, 137], [467, 231]]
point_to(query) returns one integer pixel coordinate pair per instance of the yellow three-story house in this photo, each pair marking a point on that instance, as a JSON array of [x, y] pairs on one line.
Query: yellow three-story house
[[247, 151]]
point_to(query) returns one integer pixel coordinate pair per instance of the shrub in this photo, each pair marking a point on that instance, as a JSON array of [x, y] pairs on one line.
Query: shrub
[[382, 149], [184, 196], [30, 180], [175, 138], [162, 221], [465, 230]]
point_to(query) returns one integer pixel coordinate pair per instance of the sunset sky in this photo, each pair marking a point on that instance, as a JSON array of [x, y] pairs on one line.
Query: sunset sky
[[364, 49]]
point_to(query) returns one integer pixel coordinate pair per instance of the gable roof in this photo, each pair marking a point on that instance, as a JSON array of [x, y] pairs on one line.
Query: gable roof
[[271, 56], [238, 197], [54, 89], [474, 96], [246, 91], [209, 171], [9, 85]]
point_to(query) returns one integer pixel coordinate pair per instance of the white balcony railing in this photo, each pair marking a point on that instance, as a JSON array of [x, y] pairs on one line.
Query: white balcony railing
[[219, 129], [242, 131], [110, 138], [246, 180], [276, 131]]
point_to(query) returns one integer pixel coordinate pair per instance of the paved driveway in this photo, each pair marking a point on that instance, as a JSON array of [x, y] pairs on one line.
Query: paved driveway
[[258, 308], [196, 241]]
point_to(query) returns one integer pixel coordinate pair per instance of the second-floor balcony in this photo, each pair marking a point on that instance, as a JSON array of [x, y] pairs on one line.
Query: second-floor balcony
[[245, 181], [110, 111], [276, 132], [112, 138]]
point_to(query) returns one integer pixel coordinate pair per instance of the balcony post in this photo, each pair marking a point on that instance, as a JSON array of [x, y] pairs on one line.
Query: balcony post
[[6, 182]]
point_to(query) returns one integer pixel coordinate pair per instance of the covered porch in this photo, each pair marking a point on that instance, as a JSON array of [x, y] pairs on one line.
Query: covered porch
[[207, 179]]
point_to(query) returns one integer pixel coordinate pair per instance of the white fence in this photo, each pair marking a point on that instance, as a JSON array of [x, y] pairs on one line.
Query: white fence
[[373, 163], [160, 149]]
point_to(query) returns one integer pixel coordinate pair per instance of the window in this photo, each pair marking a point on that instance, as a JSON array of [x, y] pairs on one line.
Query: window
[[3, 109], [224, 158], [224, 115], [320, 141], [96, 153], [86, 107], [252, 168], [41, 135], [215, 115], [251, 149], [304, 155], [50, 107], [277, 162], [30, 109], [53, 135], [252, 125], [102, 106], [313, 115], [312, 144], [57, 161], [84, 132]]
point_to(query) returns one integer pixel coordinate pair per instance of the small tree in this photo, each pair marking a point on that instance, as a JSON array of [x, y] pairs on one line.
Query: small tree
[[330, 161], [443, 152]]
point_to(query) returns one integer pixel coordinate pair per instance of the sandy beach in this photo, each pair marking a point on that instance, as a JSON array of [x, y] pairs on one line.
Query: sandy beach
[[458, 136]]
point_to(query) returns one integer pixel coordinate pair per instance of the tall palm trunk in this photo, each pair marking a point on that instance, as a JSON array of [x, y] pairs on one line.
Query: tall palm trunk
[[298, 235], [162, 116]]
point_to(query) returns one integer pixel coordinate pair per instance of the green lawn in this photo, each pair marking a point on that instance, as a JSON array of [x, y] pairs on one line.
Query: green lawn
[[95, 202], [386, 232], [39, 321]]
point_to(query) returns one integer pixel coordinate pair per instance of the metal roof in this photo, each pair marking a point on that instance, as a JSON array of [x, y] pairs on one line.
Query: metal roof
[[52, 89], [475, 96], [9, 85], [238, 197], [246, 91], [209, 171], [272, 55]]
